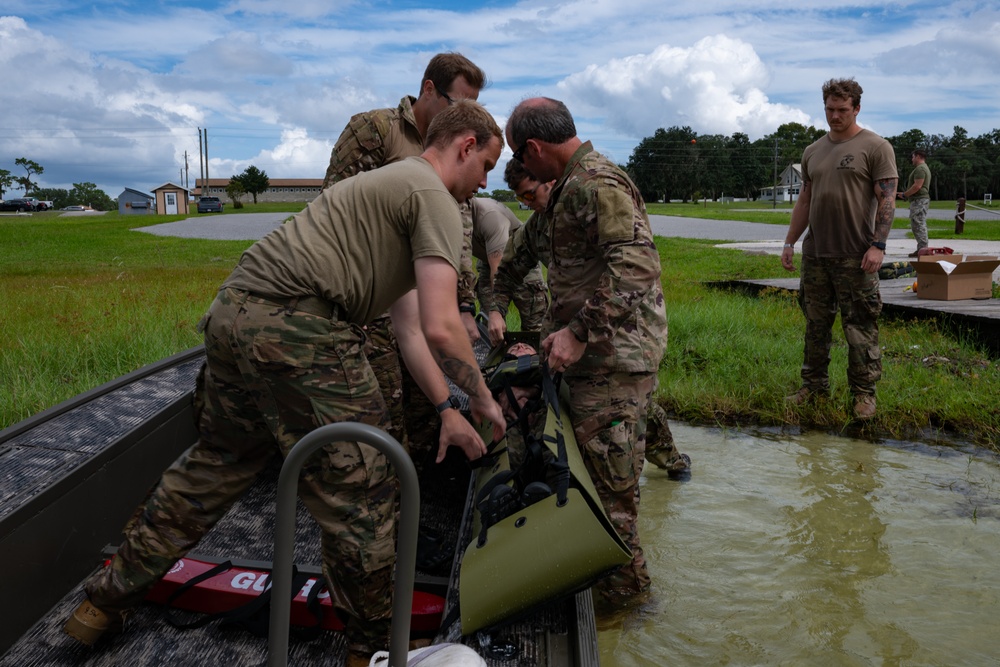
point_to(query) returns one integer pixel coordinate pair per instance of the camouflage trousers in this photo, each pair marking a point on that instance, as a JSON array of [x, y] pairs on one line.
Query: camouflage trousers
[[918, 220], [609, 421], [272, 375], [829, 284], [382, 352], [531, 297], [422, 423], [661, 450], [532, 301]]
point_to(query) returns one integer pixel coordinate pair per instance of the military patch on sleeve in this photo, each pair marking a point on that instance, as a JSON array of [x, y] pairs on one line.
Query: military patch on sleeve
[[615, 221]]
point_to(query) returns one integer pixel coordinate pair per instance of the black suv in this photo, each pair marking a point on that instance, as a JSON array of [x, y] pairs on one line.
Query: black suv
[[209, 205], [17, 205]]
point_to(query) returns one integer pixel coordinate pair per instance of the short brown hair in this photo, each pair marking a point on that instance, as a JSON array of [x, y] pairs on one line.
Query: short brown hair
[[516, 173], [846, 88], [459, 118], [921, 152], [444, 68]]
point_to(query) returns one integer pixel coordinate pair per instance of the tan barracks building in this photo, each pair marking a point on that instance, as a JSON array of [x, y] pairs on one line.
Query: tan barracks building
[[281, 189]]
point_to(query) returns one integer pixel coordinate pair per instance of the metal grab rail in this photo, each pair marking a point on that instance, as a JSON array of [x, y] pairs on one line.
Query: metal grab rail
[[284, 533]]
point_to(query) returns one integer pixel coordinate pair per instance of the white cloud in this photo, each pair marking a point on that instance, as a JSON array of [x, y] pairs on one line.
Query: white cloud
[[715, 87], [297, 155], [113, 93]]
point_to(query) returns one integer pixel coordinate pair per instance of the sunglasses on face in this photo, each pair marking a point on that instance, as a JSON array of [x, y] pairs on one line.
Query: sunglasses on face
[[519, 153], [529, 196], [445, 95]]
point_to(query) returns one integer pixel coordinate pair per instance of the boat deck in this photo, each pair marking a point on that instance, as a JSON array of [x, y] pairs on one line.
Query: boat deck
[[71, 476]]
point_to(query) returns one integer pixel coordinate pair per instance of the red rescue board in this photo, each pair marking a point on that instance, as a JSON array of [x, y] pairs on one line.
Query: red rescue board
[[239, 586]]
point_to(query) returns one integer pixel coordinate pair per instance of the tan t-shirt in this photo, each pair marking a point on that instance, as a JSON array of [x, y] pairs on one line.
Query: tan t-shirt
[[842, 202], [493, 224], [355, 244]]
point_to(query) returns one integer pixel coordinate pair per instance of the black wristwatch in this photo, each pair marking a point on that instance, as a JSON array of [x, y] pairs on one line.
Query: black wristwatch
[[880, 246], [452, 402], [467, 308]]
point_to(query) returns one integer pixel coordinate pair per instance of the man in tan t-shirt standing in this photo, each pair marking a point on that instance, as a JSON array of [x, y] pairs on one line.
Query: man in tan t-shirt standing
[[848, 204], [284, 350]]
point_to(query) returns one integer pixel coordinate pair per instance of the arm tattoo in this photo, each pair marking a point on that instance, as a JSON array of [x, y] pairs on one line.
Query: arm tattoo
[[462, 374], [886, 192]]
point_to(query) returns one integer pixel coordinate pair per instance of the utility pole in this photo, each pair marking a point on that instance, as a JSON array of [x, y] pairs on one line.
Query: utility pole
[[201, 162], [204, 189], [774, 188]]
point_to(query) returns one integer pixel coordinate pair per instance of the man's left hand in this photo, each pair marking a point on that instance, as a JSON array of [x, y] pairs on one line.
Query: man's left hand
[[872, 261]]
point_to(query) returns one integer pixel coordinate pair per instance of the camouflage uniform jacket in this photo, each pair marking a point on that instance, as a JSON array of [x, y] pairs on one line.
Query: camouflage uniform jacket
[[604, 269], [375, 138]]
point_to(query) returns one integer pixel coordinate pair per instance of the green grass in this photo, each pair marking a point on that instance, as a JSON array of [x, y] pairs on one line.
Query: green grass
[[85, 300], [731, 359]]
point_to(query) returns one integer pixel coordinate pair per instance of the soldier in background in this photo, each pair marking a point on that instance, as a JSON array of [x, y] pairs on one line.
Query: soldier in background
[[607, 327], [493, 223], [848, 205], [918, 193], [383, 136], [284, 356], [660, 448]]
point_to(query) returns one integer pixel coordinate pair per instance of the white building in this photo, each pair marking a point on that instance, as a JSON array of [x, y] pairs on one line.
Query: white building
[[789, 185]]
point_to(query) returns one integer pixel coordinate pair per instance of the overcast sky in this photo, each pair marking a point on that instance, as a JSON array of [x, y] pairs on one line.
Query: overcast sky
[[114, 92]]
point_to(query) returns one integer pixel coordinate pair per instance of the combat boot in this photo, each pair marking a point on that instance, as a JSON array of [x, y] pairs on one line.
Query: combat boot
[[88, 623], [864, 406], [355, 659], [805, 395]]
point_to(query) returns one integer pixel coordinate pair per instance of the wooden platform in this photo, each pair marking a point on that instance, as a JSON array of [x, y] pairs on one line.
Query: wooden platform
[[978, 318]]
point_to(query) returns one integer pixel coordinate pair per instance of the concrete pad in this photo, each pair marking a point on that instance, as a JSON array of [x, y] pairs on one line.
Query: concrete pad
[[222, 227]]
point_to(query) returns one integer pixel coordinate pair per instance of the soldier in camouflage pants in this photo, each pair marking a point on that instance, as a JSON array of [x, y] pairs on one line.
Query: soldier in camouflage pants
[[285, 355], [270, 380], [847, 205], [660, 448], [606, 328]]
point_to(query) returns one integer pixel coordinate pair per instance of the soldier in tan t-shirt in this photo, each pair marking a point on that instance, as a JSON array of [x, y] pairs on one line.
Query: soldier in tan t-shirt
[[284, 356], [380, 137], [848, 205], [493, 223]]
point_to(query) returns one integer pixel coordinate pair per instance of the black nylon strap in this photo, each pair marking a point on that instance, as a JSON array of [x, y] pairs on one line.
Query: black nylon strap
[[249, 615]]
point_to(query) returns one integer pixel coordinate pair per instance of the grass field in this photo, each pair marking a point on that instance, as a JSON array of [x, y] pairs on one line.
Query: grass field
[[86, 299]]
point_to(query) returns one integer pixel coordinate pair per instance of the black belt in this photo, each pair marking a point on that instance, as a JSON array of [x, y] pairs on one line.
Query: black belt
[[313, 305]]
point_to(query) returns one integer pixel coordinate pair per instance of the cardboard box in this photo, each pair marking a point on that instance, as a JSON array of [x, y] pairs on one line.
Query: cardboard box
[[972, 277]]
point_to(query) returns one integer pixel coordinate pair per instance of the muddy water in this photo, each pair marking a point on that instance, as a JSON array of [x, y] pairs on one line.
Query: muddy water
[[816, 550]]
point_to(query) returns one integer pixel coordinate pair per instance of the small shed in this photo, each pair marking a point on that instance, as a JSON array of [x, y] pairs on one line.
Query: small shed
[[171, 199], [133, 202]]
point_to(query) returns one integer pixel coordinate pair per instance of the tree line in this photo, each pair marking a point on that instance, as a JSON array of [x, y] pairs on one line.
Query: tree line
[[677, 163]]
